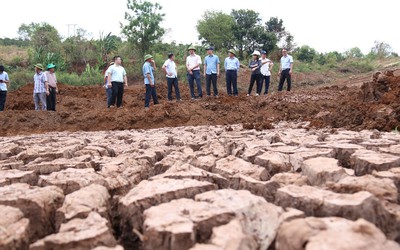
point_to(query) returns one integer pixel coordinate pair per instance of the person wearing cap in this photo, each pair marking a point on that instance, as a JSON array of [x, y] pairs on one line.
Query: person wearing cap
[[108, 88], [169, 67], [193, 63], [265, 71], [148, 73], [40, 88], [232, 66], [285, 70], [211, 71], [4, 80], [117, 77], [255, 66], [53, 90]]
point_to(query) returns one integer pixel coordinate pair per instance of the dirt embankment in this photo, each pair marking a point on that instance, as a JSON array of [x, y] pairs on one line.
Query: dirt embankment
[[375, 106]]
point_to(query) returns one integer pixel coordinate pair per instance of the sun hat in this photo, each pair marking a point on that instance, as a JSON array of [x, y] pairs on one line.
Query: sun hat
[[232, 51], [147, 57], [50, 66], [39, 66], [256, 53], [192, 48]]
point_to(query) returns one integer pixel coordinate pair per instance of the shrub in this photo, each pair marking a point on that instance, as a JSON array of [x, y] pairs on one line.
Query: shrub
[[20, 78]]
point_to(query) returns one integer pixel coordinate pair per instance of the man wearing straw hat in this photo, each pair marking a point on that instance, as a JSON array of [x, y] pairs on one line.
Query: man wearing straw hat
[[193, 63], [53, 90], [149, 80], [41, 88], [232, 65]]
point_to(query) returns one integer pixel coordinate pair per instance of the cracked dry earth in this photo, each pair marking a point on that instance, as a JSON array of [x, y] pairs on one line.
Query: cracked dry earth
[[198, 188]]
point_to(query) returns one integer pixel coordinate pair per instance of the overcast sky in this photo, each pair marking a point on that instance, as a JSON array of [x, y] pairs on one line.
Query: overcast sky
[[325, 25]]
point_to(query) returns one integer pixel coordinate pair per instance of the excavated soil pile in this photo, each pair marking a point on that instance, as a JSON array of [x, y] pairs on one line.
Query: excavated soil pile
[[375, 106], [201, 188]]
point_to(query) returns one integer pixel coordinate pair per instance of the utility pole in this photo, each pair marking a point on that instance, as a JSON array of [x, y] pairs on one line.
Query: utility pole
[[69, 25]]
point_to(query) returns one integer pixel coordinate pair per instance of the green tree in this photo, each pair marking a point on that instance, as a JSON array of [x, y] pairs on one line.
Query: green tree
[[106, 45], [46, 44], [250, 33], [306, 54], [216, 28], [275, 26], [354, 53], [381, 49], [25, 31], [143, 28]]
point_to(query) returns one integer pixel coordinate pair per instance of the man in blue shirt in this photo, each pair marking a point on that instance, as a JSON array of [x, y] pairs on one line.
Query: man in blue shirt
[[231, 65], [149, 81], [211, 71], [3, 87], [285, 70]]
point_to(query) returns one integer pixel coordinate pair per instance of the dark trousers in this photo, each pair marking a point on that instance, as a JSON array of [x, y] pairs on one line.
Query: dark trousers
[[195, 76], [117, 93], [255, 78], [150, 92], [51, 99], [267, 80], [211, 79], [231, 81], [3, 97], [109, 96], [285, 76], [173, 82]]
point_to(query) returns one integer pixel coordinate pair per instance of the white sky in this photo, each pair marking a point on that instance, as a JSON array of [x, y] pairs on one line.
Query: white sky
[[325, 25]]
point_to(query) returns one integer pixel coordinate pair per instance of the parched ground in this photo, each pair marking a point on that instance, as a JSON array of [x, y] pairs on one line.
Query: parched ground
[[311, 169]]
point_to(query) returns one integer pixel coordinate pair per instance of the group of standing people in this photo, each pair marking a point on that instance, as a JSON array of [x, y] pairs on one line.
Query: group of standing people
[[44, 87], [115, 78], [261, 72]]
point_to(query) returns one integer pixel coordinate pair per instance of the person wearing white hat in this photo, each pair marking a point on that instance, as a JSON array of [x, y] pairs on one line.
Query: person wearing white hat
[[193, 63], [255, 66]]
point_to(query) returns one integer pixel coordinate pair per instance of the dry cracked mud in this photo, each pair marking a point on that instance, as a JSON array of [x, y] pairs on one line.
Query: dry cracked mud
[[205, 187]]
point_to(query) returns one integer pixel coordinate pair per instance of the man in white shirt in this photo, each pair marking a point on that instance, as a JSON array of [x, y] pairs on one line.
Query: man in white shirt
[[193, 63], [265, 71], [172, 77], [116, 79], [4, 80], [285, 70]]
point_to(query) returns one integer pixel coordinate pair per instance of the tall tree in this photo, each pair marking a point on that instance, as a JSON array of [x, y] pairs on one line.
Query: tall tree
[[143, 28], [25, 31], [285, 39], [275, 26], [216, 28], [250, 33], [381, 49]]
